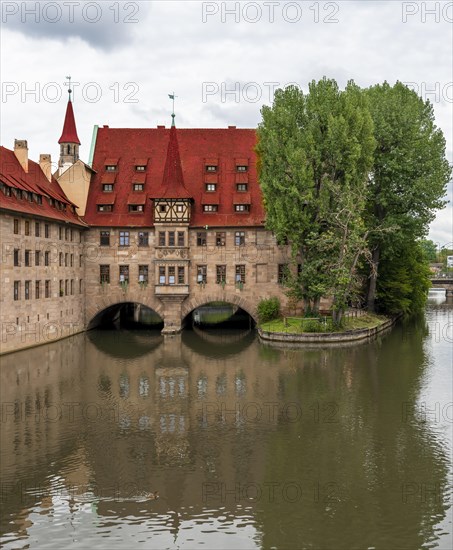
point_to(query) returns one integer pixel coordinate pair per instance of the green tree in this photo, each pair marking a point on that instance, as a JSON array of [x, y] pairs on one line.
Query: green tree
[[409, 175], [430, 250], [403, 282], [315, 151]]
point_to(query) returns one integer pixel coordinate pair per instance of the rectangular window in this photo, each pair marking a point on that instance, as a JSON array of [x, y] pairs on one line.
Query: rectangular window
[[60, 233], [179, 208], [124, 273], [80, 260], [171, 238], [37, 290], [66, 234], [46, 231], [143, 238], [66, 287], [201, 238], [202, 273], [239, 238], [142, 273], [80, 286], [27, 258], [241, 168], [138, 187], [27, 290], [72, 235], [140, 168], [37, 257], [27, 228], [72, 287], [104, 238], [104, 274], [211, 168], [181, 238], [71, 258], [162, 207], [242, 207], [107, 187], [124, 238], [241, 187], [136, 207], [46, 258], [240, 274], [282, 273], [161, 238], [61, 259], [181, 275], [16, 290], [210, 207], [162, 280], [105, 207], [16, 257], [16, 227], [110, 167], [47, 289], [171, 274], [220, 238], [66, 259], [61, 288], [37, 229], [220, 274], [211, 187]]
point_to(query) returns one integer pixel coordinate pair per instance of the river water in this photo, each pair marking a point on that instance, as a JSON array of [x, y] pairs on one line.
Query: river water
[[215, 440]]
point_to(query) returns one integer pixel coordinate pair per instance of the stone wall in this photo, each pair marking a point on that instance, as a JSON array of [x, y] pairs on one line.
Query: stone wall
[[30, 320]]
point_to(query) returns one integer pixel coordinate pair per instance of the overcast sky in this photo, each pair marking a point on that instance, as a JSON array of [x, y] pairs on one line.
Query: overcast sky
[[222, 59]]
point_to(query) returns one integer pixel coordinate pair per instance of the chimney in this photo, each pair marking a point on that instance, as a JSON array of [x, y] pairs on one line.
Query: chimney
[[21, 152], [45, 163]]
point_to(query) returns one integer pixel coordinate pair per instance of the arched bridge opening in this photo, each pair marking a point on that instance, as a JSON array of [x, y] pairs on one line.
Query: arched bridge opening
[[218, 315], [127, 315]]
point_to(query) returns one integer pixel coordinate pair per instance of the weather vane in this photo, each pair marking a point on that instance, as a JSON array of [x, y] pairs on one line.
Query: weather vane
[[69, 86], [172, 97]]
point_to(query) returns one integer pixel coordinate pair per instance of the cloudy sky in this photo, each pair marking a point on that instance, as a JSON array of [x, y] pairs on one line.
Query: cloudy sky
[[222, 59]]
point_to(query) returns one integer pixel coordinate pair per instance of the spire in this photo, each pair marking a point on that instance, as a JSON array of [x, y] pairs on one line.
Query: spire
[[173, 181], [69, 134]]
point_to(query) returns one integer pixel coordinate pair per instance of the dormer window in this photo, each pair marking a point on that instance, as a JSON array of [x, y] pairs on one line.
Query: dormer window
[[211, 187], [136, 207], [241, 168], [211, 168], [107, 187], [162, 207], [242, 207], [241, 187], [105, 207], [138, 187], [110, 167], [140, 168], [210, 208]]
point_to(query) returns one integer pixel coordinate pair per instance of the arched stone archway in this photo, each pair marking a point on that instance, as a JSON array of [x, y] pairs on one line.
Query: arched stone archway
[[230, 297], [106, 299]]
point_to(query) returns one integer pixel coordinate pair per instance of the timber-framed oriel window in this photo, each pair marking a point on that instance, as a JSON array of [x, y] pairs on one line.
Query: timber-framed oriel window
[[172, 210]]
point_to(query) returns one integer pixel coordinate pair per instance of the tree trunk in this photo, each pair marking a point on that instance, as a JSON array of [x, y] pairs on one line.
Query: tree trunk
[[373, 279], [316, 303]]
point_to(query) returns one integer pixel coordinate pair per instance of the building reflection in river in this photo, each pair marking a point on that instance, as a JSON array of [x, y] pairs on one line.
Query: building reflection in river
[[279, 447]]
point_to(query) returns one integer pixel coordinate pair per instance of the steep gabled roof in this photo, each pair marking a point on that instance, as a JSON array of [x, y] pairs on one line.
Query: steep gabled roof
[[34, 181], [197, 148]]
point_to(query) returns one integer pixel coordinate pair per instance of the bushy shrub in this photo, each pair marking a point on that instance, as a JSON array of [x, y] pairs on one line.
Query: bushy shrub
[[312, 326], [268, 309]]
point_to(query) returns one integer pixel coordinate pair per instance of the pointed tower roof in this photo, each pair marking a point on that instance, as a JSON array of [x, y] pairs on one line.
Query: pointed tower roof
[[69, 134], [173, 181]]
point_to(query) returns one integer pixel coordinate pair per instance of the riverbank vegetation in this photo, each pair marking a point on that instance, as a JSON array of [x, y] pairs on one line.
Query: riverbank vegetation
[[351, 180]]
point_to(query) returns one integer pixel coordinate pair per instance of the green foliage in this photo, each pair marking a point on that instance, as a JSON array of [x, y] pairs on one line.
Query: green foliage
[[403, 281], [429, 249], [268, 309]]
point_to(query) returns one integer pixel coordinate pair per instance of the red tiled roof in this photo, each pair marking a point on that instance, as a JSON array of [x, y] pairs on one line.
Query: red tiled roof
[[13, 175], [69, 134], [196, 147]]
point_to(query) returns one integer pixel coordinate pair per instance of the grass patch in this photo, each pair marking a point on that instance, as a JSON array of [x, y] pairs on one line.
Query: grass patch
[[300, 325]]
